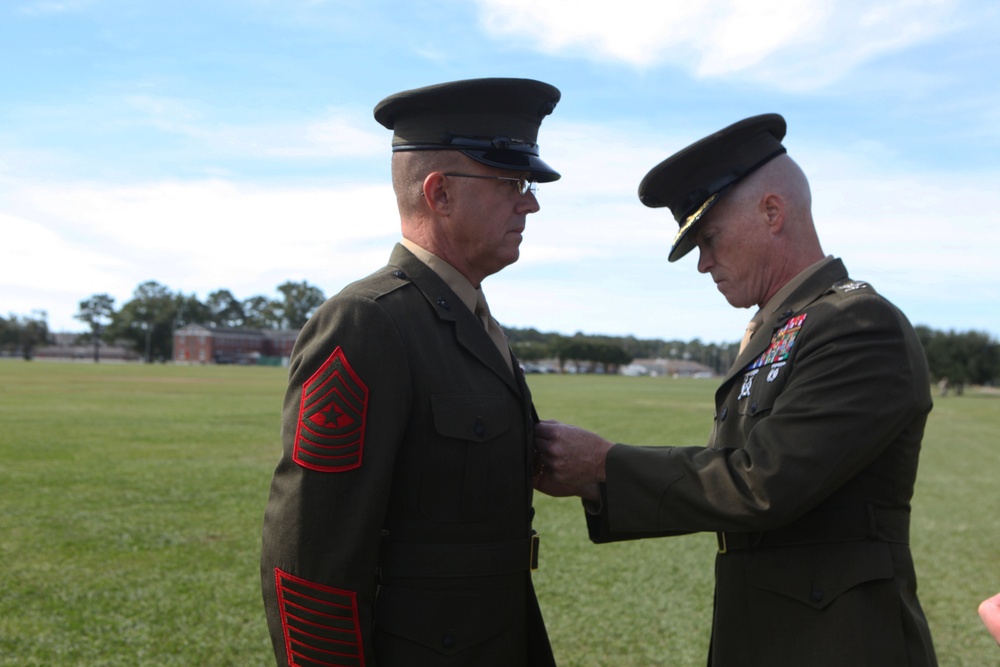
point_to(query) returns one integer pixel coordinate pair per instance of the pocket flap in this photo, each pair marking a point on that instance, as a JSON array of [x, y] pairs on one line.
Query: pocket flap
[[472, 417], [818, 574], [444, 621]]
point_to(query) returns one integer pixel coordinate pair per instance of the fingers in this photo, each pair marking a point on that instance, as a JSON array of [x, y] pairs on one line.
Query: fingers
[[546, 484]]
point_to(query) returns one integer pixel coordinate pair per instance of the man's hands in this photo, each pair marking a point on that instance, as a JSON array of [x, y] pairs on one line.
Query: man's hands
[[570, 460]]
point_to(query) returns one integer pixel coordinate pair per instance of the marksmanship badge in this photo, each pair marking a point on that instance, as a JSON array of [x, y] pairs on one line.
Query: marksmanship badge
[[747, 384], [773, 373]]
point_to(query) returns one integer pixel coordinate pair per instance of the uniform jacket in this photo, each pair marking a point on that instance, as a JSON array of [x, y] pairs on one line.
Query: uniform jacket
[[807, 477], [398, 528]]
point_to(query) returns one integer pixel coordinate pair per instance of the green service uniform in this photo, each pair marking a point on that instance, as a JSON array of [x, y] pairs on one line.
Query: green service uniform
[[398, 530], [807, 479]]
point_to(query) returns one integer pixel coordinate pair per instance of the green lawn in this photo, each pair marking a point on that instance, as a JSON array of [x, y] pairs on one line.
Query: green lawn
[[131, 499]]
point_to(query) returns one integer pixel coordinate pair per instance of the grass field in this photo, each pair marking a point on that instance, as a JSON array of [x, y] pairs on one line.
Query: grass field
[[131, 499]]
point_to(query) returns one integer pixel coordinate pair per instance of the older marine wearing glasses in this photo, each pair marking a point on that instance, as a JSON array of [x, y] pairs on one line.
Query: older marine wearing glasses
[[398, 530]]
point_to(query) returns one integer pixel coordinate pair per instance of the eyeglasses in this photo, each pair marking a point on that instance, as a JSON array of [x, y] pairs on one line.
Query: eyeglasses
[[522, 185]]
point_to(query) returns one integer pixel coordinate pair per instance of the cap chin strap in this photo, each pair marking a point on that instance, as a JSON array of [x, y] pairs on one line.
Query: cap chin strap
[[500, 152], [468, 143]]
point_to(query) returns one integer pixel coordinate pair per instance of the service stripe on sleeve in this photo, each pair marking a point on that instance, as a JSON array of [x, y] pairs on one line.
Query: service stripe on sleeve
[[320, 623]]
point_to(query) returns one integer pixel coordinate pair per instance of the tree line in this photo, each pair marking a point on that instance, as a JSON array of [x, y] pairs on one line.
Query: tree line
[[147, 321], [961, 358], [611, 352]]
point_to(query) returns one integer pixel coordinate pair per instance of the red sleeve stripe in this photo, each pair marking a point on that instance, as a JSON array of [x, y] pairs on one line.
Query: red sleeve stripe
[[348, 640]]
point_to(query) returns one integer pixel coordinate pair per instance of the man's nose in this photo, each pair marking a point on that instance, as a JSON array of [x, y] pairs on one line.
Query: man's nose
[[528, 203], [704, 261]]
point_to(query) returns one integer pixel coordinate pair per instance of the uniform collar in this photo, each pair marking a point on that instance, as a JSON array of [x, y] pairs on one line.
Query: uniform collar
[[790, 299], [451, 276], [776, 302]]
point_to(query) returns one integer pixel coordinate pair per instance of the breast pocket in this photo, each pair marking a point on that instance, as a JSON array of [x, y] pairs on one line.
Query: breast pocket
[[470, 467], [758, 393]]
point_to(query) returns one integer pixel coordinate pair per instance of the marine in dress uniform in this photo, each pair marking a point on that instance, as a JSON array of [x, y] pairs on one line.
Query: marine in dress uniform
[[398, 529], [809, 470]]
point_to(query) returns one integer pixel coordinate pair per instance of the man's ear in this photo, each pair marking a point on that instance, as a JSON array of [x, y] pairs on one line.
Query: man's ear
[[436, 193], [773, 208]]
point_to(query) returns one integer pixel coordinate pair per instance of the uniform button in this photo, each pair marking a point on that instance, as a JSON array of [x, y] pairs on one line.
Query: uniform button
[[448, 642], [399, 274], [753, 408], [725, 411], [480, 428], [816, 595], [441, 302]]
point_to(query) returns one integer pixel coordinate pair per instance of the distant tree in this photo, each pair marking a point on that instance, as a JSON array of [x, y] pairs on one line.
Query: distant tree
[[96, 312], [970, 357], [529, 336], [8, 334], [983, 353], [530, 350], [720, 357], [34, 331], [259, 312], [22, 334], [300, 301], [189, 310], [567, 349], [147, 320], [611, 356], [226, 310], [600, 350]]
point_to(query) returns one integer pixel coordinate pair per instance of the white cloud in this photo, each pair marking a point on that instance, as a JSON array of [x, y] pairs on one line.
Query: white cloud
[[793, 45], [593, 258], [87, 238], [337, 133]]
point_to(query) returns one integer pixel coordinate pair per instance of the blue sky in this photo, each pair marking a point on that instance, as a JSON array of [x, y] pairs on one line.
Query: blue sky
[[231, 144]]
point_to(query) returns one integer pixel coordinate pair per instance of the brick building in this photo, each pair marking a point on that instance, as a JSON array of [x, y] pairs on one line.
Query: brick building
[[199, 344]]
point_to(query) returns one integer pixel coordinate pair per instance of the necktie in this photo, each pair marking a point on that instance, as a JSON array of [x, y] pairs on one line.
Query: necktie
[[492, 328], [751, 328]]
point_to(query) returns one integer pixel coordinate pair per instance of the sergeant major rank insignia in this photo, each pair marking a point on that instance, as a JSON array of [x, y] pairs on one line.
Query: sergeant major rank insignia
[[330, 433]]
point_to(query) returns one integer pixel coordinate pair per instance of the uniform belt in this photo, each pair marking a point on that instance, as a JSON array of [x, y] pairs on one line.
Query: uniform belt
[[401, 559], [823, 527]]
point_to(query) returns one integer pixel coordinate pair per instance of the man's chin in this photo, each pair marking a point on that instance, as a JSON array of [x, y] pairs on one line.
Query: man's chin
[[734, 300]]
